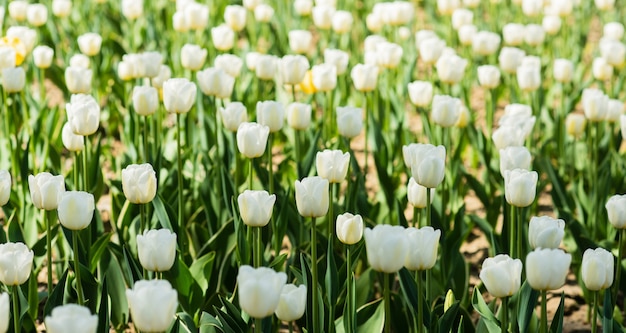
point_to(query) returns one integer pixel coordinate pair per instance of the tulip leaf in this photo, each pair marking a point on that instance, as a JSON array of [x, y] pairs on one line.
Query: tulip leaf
[[56, 297], [97, 249], [202, 268], [330, 278], [33, 296], [557, 321], [371, 317], [161, 214], [607, 313], [447, 320], [527, 298], [185, 323], [491, 322], [208, 324], [190, 295], [103, 307]]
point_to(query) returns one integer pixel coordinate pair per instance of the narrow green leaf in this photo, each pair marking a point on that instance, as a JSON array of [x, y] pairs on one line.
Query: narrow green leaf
[[557, 321], [491, 322]]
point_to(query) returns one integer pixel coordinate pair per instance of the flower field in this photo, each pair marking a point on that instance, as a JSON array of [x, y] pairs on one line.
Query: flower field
[[312, 166]]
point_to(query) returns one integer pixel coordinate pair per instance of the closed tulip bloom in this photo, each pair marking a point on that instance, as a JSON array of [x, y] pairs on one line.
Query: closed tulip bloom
[[299, 115], [613, 30], [428, 164], [259, 290], [17, 10], [71, 318], [349, 121], [266, 66], [83, 114], [300, 41], [601, 69], [563, 70], [61, 8], [614, 52], [447, 7], [451, 68], [312, 196], [233, 115], [192, 56], [324, 77], [80, 60], [90, 43], [332, 165], [387, 247], [71, 141], [37, 14], [529, 77], [337, 58], [489, 76], [616, 211], [534, 34], [416, 194], [235, 17], [508, 136], [214, 81], [292, 303], [125, 70], [371, 42], [513, 34], [42, 56], [229, 63], [223, 37], [152, 305], [422, 248], [485, 43], [251, 4], [388, 54], [510, 59], [132, 9], [263, 13], [293, 68], [342, 21], [364, 77], [139, 183], [551, 24], [179, 22], [349, 228], [575, 124], [546, 269], [532, 8], [471, 3], [179, 95], [76, 209], [78, 80], [303, 7], [323, 16], [16, 263], [197, 16], [252, 139], [466, 34], [5, 310], [520, 187], [5, 187], [255, 207], [420, 93], [545, 232], [461, 17], [46, 190], [145, 100], [512, 158], [26, 35], [595, 104], [157, 249], [501, 275], [597, 269], [603, 5], [13, 79], [446, 110], [615, 108], [270, 114], [8, 57]]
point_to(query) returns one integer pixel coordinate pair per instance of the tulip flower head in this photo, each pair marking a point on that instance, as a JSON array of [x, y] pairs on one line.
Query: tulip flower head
[[489, 76], [450, 68], [16, 263], [364, 77], [293, 68], [501, 275], [416, 194], [235, 17], [563, 70], [259, 290], [312, 196], [575, 124], [422, 248], [420, 93], [300, 41], [427, 164], [292, 302], [546, 269], [37, 14], [71, 141], [255, 207], [386, 247], [157, 249], [5, 311], [71, 318], [323, 16], [595, 104], [192, 56], [266, 67], [545, 232], [223, 37], [510, 59], [42, 56], [145, 100], [485, 43], [616, 211], [13, 79], [233, 115], [332, 165], [46, 190], [152, 305], [446, 110], [303, 7], [132, 9], [5, 187], [252, 139], [349, 228], [520, 187], [597, 269], [139, 183], [216, 82], [337, 58], [270, 114], [324, 77], [76, 209], [349, 121], [299, 115], [514, 158], [83, 114], [179, 95], [229, 63], [90, 43]]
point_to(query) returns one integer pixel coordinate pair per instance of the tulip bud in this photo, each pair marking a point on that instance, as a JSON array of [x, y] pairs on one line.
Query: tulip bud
[[603, 5], [563, 70], [300, 41], [595, 104], [388, 54], [601, 70], [312, 196], [615, 108], [259, 290], [532, 8], [613, 30], [179, 22], [90, 43], [233, 115], [534, 34], [371, 42], [575, 124], [422, 248], [132, 9], [83, 114], [229, 63], [546, 269], [25, 35], [139, 183], [78, 80], [323, 16], [427, 164], [263, 13], [76, 209], [597, 269], [528, 77], [466, 34], [508, 136], [16, 263], [197, 16], [545, 232], [5, 310], [616, 211], [349, 228], [520, 187], [179, 95], [332, 165], [292, 303], [364, 77], [510, 59], [485, 43], [251, 4], [420, 93], [235, 17], [349, 121], [337, 58], [192, 56], [324, 77], [501, 275], [37, 14], [270, 114], [152, 305], [223, 37], [461, 17], [5, 188], [215, 82], [416, 194], [303, 7], [255, 207], [386, 247], [71, 141], [551, 24], [266, 66], [614, 52], [447, 7], [513, 34], [252, 139], [46, 190], [446, 110], [514, 158], [13, 79], [17, 9], [61, 8], [299, 116], [341, 21], [451, 68], [145, 100], [293, 68], [71, 318], [157, 249], [42, 56], [165, 73]]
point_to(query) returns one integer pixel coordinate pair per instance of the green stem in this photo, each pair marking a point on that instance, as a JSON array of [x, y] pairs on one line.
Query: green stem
[[16, 307], [258, 255], [512, 231], [258, 325], [315, 300], [387, 300], [85, 166], [42, 87], [420, 303], [48, 215], [79, 286], [296, 135], [291, 327], [146, 134], [505, 314], [428, 223], [520, 232], [594, 322], [76, 171], [237, 162], [250, 175], [350, 293], [180, 170], [142, 216], [618, 267], [544, 313], [416, 217], [331, 216]]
